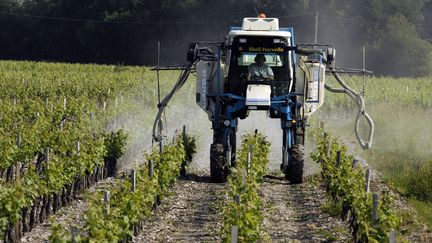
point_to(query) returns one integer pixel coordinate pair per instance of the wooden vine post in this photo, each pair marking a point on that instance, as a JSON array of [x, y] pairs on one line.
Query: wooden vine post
[[106, 198], [338, 158], [234, 234], [64, 103], [392, 236], [237, 199], [18, 164], [249, 159], [150, 169], [184, 135], [375, 205], [368, 174], [77, 147], [74, 234], [243, 178], [47, 158], [354, 163], [133, 180]]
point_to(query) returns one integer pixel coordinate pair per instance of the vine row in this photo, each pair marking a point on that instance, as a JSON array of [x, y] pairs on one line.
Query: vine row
[[242, 214], [132, 197], [371, 219]]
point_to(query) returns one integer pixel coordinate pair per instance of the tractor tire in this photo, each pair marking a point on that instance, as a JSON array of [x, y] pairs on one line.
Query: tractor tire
[[294, 170], [233, 148], [218, 168]]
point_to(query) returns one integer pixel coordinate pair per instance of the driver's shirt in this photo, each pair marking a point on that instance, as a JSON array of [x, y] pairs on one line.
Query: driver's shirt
[[258, 73]]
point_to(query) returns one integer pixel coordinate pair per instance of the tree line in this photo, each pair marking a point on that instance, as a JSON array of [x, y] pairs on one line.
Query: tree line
[[396, 33]]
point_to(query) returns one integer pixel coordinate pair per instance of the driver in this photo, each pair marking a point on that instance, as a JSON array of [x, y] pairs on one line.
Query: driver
[[259, 71]]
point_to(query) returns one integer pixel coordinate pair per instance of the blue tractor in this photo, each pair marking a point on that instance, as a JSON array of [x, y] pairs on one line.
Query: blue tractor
[[227, 91]]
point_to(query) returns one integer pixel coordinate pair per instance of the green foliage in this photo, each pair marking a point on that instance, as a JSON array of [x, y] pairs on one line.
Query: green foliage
[[247, 216], [423, 210], [401, 157], [331, 207], [167, 165], [57, 233], [189, 143], [115, 143], [409, 54], [127, 208], [419, 183], [386, 91], [400, 108], [32, 102], [346, 188], [56, 105]]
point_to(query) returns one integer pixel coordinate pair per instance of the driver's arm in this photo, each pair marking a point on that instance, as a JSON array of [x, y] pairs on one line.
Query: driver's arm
[[270, 74]]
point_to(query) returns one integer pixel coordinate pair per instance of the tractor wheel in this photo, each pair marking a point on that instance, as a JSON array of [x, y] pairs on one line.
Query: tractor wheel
[[294, 170], [218, 169], [233, 148]]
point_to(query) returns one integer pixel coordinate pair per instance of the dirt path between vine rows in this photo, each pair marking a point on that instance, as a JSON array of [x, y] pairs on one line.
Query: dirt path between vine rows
[[191, 214], [292, 213]]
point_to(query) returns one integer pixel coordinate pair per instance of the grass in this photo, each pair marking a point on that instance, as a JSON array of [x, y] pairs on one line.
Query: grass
[[412, 92], [331, 208], [423, 209]]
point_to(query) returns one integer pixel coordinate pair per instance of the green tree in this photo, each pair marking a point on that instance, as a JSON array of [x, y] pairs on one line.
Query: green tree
[[126, 31], [402, 52]]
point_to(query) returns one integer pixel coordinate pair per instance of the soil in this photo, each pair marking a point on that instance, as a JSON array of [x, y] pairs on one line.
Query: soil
[[191, 214], [292, 212]]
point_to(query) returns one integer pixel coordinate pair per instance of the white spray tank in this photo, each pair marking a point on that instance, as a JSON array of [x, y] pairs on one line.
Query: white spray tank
[[310, 80], [207, 84]]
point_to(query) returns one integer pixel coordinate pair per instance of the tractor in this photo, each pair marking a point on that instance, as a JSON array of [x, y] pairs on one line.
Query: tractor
[[226, 92]]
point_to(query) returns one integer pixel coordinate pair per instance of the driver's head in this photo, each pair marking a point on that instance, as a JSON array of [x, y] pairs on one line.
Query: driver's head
[[260, 59]]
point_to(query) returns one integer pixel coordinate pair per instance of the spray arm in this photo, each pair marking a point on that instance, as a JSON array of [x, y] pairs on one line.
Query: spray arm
[[158, 124], [358, 99]]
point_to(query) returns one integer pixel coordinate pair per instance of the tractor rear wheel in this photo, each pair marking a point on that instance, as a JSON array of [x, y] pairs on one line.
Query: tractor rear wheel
[[218, 168], [232, 147], [294, 170]]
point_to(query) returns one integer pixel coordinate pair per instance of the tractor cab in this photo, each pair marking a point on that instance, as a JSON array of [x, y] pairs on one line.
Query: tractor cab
[[243, 53], [259, 36]]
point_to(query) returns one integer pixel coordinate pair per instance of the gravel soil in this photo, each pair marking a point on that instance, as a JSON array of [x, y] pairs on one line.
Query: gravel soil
[[292, 213], [191, 214]]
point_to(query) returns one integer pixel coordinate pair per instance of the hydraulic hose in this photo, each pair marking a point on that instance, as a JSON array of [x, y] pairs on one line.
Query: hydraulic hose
[[358, 99], [158, 124]]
